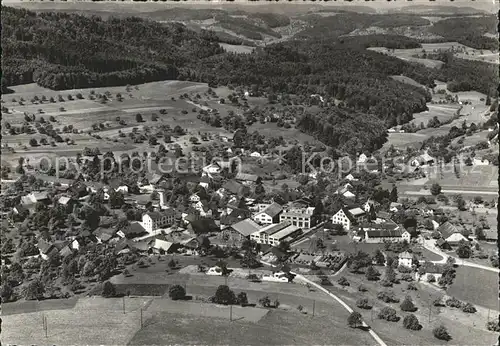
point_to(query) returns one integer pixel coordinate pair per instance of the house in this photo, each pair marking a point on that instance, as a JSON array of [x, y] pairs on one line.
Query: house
[[303, 218], [480, 162], [35, 197], [161, 245], [362, 158], [255, 154], [47, 250], [350, 177], [195, 197], [248, 178], [158, 219], [428, 269], [104, 235], [490, 235], [204, 182], [20, 210], [405, 259], [274, 234], [383, 216], [270, 214], [240, 231], [202, 226], [134, 230], [394, 207], [348, 217], [450, 233], [381, 233], [423, 160], [233, 187], [211, 170]]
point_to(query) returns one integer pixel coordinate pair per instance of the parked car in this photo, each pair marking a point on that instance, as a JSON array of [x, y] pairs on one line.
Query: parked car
[[276, 277], [214, 271]]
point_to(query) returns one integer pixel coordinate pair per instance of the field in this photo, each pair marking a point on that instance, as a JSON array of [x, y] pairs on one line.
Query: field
[[237, 48], [476, 286]]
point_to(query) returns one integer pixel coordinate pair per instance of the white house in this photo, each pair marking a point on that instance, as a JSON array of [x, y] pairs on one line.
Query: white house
[[348, 217], [269, 215], [478, 162], [195, 197], [154, 220], [381, 233], [405, 259], [255, 154], [350, 177], [276, 233], [122, 188]]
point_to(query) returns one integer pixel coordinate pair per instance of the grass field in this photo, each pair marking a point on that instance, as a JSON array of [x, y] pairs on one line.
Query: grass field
[[276, 328], [237, 48], [477, 286]]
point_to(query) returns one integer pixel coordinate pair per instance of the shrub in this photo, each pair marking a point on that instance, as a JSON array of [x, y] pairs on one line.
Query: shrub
[[411, 286], [403, 269], [386, 283], [388, 314], [363, 303], [407, 305], [441, 333], [454, 303], [354, 320], [411, 322], [438, 301], [176, 292], [431, 278], [407, 277], [224, 295], [493, 326], [362, 288], [387, 297], [242, 298], [108, 290], [469, 308]]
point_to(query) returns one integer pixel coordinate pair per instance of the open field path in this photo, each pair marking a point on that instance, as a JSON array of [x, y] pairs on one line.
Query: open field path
[[340, 301]]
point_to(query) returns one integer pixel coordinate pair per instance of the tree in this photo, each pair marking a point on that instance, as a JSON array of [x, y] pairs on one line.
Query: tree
[[354, 320], [33, 142], [407, 305], [435, 189], [372, 274], [138, 118], [242, 298], [265, 301], [108, 290], [390, 275], [441, 333], [493, 326], [461, 203], [177, 292], [343, 281], [363, 303], [411, 322], [379, 258], [464, 250], [34, 290], [388, 314], [488, 100], [224, 296], [6, 292], [469, 308], [394, 194]]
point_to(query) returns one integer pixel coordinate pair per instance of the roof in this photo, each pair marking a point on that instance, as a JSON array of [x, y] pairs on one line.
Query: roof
[[285, 232], [203, 225], [273, 209], [384, 215], [432, 268], [274, 228], [232, 186], [447, 229], [426, 157], [378, 226], [384, 233], [40, 195], [105, 234], [246, 227], [455, 238], [20, 209], [490, 234], [45, 246], [356, 211], [135, 228], [64, 200], [156, 215], [405, 254], [246, 177]]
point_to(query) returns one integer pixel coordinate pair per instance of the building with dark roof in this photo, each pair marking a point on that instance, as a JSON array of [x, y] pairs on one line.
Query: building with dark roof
[[134, 230], [271, 214], [380, 233]]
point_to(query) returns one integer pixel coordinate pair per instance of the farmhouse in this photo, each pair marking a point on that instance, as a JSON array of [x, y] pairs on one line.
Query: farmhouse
[[134, 230], [155, 220], [450, 233], [240, 230], [248, 178], [300, 217], [405, 259], [274, 234], [232, 187], [380, 233], [269, 215], [423, 160], [47, 250], [348, 217]]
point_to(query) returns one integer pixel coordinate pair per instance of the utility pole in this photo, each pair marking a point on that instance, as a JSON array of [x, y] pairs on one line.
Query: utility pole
[[371, 314], [141, 318], [45, 325], [314, 307], [123, 304], [430, 301], [230, 313]]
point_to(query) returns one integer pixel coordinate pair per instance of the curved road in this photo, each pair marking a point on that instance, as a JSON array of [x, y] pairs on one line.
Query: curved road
[[340, 301], [429, 245]]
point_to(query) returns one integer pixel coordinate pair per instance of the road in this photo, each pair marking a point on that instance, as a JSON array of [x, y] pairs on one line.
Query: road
[[429, 245], [340, 301]]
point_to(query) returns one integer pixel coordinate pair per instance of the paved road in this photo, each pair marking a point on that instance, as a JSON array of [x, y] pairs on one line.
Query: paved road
[[429, 245], [340, 301]]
